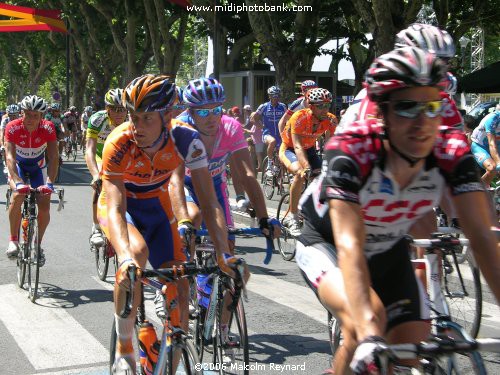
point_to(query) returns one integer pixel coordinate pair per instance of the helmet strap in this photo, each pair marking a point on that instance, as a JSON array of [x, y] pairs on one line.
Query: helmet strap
[[409, 159]]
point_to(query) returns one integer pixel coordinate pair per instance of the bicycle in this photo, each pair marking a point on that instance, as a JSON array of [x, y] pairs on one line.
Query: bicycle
[[71, 148], [29, 248], [173, 337], [287, 242], [206, 326], [276, 180], [103, 254]]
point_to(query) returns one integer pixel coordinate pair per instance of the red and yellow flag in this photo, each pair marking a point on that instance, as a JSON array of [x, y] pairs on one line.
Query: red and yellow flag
[[30, 19]]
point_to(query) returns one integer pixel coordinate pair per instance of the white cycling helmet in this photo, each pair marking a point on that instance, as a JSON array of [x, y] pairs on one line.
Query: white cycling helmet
[[34, 103], [427, 37]]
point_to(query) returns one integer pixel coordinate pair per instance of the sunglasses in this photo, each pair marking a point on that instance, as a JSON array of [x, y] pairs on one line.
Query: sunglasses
[[411, 109], [117, 109], [205, 112], [179, 106], [322, 106]]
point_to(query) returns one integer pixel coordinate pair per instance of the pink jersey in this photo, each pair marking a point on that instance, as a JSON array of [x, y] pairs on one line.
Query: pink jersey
[[256, 134], [30, 147], [229, 139]]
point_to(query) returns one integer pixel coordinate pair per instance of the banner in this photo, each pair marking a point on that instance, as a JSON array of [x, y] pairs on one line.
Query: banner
[[30, 19]]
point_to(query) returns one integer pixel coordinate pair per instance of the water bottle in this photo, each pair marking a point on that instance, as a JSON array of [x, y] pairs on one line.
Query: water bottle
[[25, 223], [204, 288], [147, 338]]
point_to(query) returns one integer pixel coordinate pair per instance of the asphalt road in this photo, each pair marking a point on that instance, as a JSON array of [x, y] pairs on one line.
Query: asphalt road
[[67, 331]]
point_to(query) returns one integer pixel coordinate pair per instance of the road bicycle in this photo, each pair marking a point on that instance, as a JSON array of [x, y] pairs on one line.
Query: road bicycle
[[274, 179], [173, 338], [447, 331], [27, 261], [103, 253], [229, 351], [71, 148]]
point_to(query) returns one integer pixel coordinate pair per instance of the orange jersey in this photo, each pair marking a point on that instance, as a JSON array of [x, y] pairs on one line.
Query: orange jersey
[[145, 177], [304, 124]]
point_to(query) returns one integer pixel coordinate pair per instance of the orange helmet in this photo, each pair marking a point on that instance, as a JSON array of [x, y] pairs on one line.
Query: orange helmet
[[149, 93]]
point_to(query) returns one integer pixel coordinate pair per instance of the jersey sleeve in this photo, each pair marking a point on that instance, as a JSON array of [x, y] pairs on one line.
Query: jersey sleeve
[[94, 125], [236, 136], [50, 130], [456, 163], [490, 125], [189, 145], [260, 110], [450, 114], [114, 157]]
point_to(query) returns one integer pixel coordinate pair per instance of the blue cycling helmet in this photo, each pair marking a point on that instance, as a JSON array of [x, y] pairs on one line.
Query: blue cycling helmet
[[274, 91], [55, 107], [203, 91], [180, 96]]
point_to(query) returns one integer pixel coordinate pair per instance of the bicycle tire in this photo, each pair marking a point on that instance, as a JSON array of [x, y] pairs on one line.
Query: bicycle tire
[[263, 170], [238, 351], [135, 344], [101, 260], [459, 363], [75, 151], [465, 310], [8, 195], [334, 333], [286, 242], [33, 261], [187, 362], [268, 187], [21, 264]]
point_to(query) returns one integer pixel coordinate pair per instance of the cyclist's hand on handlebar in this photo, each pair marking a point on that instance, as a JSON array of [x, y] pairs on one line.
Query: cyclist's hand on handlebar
[[305, 173], [365, 360], [232, 266], [122, 276], [22, 188], [46, 189], [270, 227]]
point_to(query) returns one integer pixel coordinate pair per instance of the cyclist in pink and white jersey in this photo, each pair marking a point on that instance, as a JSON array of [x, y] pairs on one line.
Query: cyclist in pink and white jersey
[[225, 142]]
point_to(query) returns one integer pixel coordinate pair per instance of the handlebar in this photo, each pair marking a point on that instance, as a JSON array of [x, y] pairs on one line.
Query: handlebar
[[249, 232]]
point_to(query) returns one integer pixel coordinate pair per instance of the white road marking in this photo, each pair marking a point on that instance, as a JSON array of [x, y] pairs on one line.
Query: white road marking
[[47, 336]]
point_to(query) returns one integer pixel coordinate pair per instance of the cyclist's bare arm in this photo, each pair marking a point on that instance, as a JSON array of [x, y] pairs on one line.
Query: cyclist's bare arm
[[211, 209], [476, 218], [53, 156], [349, 233], [116, 202], [492, 143], [283, 121], [177, 195], [299, 151], [90, 158], [10, 155], [241, 162]]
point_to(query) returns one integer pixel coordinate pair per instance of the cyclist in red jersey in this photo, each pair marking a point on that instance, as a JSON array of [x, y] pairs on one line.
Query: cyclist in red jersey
[[27, 140]]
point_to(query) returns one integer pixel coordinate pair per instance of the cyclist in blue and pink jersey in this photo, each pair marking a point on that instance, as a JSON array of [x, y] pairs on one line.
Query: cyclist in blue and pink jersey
[[297, 104], [27, 139], [269, 114], [485, 145], [224, 141]]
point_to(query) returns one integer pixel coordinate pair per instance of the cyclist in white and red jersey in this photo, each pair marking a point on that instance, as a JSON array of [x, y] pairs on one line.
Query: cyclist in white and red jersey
[[71, 122], [297, 104], [378, 178], [27, 139]]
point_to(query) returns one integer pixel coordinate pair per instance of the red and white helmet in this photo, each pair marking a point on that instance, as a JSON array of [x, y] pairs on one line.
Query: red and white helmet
[[319, 96], [402, 68]]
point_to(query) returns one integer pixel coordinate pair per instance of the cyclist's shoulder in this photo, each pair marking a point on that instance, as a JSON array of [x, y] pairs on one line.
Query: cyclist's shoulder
[[300, 116], [451, 145], [14, 126], [98, 118], [297, 104], [361, 140]]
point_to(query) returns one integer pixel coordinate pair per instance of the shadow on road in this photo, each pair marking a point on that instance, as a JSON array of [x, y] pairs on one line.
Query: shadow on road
[[54, 297]]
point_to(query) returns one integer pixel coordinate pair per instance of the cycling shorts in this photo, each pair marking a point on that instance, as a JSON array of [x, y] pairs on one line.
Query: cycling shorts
[[480, 153], [72, 127], [288, 157], [391, 274], [37, 175], [266, 138], [150, 217], [222, 198]]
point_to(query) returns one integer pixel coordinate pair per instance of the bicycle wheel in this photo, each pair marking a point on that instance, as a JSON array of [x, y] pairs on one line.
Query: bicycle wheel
[[269, 182], [458, 363], [22, 259], [286, 242], [8, 195], [263, 170], [68, 150], [135, 344], [232, 350], [102, 260], [75, 151], [334, 333], [34, 256], [188, 360], [465, 299]]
